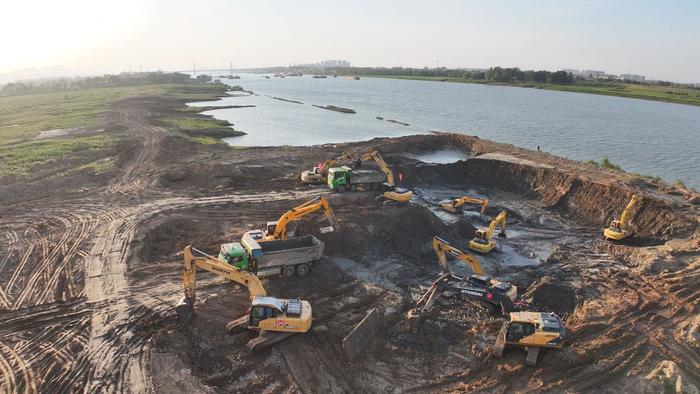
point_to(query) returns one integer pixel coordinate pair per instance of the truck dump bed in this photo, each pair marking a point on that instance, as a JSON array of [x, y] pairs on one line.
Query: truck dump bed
[[286, 244], [271, 256], [367, 176]]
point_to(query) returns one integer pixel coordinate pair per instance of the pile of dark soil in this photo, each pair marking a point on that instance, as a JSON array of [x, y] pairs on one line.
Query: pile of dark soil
[[552, 295]]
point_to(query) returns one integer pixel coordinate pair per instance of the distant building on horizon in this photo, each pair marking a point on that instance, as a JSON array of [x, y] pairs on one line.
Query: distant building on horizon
[[326, 64], [590, 74], [632, 77]]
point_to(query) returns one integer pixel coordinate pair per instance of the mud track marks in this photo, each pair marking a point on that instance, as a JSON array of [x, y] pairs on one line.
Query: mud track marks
[[117, 352], [138, 173]]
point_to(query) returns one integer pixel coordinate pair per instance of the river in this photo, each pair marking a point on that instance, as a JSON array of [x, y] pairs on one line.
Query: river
[[641, 136]]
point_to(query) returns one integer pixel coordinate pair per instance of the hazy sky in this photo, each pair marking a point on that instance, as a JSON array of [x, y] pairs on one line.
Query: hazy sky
[[660, 39]]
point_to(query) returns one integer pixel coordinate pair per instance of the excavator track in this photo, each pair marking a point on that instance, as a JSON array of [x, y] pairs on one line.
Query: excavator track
[[266, 339], [237, 326], [500, 344], [532, 353]]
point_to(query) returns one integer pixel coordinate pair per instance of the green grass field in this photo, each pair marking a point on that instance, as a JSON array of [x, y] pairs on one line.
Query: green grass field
[[23, 117], [19, 159], [645, 92]]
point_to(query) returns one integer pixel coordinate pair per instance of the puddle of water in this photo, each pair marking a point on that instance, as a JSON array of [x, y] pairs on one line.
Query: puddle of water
[[446, 156]]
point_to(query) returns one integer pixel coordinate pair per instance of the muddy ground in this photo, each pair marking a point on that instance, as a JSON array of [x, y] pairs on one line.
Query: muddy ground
[[90, 271]]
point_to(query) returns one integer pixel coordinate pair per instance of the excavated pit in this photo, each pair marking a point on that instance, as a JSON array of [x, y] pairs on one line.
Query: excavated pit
[[630, 309], [553, 253]]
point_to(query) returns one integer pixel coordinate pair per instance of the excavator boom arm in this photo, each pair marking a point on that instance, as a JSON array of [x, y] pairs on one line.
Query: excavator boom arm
[[303, 210], [346, 156], [216, 266], [626, 211], [466, 199], [374, 155], [441, 247], [499, 220]]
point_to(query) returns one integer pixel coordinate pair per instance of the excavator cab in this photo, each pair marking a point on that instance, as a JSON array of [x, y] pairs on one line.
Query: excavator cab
[[259, 313], [531, 331], [482, 241], [618, 229], [274, 314], [270, 227]]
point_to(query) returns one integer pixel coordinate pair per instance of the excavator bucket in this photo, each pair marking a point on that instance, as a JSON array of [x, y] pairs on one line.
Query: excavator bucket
[[184, 309], [502, 234]]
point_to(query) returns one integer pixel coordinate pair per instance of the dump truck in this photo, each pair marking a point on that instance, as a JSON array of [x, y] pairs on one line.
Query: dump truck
[[345, 178], [285, 257]]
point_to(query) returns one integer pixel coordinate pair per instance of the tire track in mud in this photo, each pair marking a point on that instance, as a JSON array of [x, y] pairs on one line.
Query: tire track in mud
[[113, 344], [136, 174]]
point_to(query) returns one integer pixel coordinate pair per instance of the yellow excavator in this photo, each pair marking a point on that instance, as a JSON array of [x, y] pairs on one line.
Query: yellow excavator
[[278, 229], [494, 294], [442, 248], [531, 331], [319, 173], [482, 241], [455, 205], [273, 318], [618, 228]]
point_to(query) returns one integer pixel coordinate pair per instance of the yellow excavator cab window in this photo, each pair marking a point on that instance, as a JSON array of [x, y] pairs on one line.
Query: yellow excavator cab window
[[519, 330]]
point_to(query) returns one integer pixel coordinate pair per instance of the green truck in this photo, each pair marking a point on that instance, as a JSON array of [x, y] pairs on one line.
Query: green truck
[[285, 257], [345, 178]]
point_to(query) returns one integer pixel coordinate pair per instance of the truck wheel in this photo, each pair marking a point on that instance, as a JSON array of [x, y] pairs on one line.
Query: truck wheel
[[288, 271], [342, 188], [303, 269]]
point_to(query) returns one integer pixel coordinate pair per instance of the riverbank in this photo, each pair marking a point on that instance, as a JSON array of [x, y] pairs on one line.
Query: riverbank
[[655, 93]]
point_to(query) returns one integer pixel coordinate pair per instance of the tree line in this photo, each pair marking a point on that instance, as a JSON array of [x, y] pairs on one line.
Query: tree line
[[107, 80], [492, 74]]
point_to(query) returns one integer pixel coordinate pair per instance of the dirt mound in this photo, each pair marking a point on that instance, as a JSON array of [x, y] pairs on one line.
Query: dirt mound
[[165, 237], [552, 295], [393, 231]]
